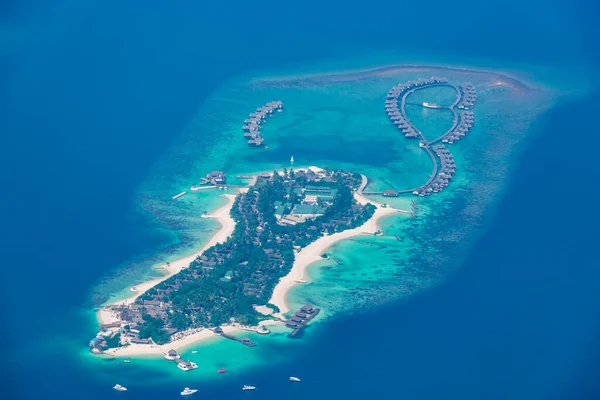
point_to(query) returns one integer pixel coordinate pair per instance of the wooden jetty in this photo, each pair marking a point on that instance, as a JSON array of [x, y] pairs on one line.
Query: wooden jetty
[[301, 318], [245, 341], [444, 170], [183, 365]]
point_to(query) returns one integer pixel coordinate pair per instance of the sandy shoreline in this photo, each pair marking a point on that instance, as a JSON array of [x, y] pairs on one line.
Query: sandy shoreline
[[184, 339], [304, 259], [312, 253], [222, 215]]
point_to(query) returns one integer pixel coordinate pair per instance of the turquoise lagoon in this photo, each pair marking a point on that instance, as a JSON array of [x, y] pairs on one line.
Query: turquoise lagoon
[[333, 119]]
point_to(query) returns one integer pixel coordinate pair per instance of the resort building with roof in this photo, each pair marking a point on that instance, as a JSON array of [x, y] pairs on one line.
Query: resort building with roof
[[307, 211], [310, 199]]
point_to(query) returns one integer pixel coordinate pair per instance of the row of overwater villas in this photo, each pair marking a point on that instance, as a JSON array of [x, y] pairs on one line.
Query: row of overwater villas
[[409, 131], [254, 122], [447, 171], [401, 88], [469, 96], [467, 119], [393, 110], [301, 317]]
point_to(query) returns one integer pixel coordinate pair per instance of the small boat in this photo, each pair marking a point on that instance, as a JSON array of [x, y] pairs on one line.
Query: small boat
[[222, 371], [186, 365], [294, 379], [188, 391], [194, 351], [120, 388], [246, 387], [126, 361]]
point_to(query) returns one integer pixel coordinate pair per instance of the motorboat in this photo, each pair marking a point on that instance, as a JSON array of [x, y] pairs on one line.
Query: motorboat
[[188, 391]]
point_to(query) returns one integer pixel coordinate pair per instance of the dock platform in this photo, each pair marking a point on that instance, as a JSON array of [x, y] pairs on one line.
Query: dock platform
[[244, 341], [301, 318]]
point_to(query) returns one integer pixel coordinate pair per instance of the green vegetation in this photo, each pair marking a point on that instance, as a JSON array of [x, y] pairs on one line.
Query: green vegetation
[[225, 282], [273, 307], [154, 328], [114, 341]]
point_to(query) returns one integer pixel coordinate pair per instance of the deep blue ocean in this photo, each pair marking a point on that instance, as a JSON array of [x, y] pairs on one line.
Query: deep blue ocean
[[91, 94]]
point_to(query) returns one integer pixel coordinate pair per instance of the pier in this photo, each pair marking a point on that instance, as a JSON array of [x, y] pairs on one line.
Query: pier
[[178, 195], [244, 341], [301, 318], [183, 365], [445, 168], [255, 120]]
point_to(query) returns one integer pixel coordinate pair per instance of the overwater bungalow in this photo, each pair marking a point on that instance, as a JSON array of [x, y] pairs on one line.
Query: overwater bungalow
[[253, 123]]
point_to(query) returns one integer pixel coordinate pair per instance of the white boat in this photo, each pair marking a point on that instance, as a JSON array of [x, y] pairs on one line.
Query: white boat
[[186, 365], [246, 387], [299, 281], [188, 391], [194, 351], [294, 379], [126, 361], [120, 388]]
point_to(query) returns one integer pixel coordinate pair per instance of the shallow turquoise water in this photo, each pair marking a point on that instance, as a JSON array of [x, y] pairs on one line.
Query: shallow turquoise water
[[96, 92], [338, 123]]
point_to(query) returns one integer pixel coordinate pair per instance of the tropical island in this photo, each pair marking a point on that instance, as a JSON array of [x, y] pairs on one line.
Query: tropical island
[[276, 217]]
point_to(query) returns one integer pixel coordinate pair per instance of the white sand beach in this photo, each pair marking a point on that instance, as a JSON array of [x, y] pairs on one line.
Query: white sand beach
[[304, 259], [222, 215], [181, 340], [184, 339], [313, 252]]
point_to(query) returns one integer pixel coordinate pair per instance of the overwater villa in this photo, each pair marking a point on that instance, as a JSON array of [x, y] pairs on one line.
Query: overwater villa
[[255, 120]]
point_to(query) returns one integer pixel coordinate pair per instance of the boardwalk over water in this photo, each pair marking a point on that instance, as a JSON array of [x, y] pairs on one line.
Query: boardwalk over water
[[452, 108], [461, 124]]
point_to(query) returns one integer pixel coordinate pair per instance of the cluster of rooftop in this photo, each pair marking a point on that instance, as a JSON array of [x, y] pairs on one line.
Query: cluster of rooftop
[[215, 178], [301, 318], [446, 172], [130, 327], [395, 110], [254, 122], [304, 201], [395, 106], [222, 285], [467, 119], [469, 96]]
